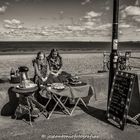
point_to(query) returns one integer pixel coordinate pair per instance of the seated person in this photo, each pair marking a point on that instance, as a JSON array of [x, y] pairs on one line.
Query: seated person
[[41, 72], [41, 69], [55, 67]]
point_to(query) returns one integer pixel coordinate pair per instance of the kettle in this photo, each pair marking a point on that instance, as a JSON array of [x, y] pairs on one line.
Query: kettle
[[23, 71]]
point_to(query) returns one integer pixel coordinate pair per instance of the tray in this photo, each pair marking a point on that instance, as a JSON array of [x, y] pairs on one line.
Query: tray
[[77, 84], [58, 86], [24, 88]]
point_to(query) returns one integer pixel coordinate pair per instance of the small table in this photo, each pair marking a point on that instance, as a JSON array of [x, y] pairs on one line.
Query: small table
[[27, 93], [70, 92]]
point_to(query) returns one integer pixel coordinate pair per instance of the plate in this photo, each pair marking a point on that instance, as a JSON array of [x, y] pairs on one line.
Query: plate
[[27, 87], [77, 84], [58, 86]]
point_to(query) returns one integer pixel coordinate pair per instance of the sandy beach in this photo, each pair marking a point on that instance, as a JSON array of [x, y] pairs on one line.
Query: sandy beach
[[96, 125], [73, 63], [77, 63]]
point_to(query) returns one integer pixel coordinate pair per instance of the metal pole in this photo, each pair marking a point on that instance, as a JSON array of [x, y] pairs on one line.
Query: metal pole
[[114, 53]]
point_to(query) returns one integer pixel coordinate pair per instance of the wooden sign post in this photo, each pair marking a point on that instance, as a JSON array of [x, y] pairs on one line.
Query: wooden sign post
[[120, 109]]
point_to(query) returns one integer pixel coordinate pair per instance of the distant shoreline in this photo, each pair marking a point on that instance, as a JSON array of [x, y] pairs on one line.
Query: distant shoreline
[[73, 47], [64, 52], [47, 52]]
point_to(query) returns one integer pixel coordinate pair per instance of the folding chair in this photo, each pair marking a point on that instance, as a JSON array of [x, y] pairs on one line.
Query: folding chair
[[59, 102], [40, 106], [76, 103]]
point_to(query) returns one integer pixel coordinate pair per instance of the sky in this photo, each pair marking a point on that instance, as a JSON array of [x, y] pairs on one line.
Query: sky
[[67, 20]]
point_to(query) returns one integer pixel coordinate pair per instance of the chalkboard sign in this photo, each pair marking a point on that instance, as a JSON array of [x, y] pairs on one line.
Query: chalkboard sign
[[120, 98]]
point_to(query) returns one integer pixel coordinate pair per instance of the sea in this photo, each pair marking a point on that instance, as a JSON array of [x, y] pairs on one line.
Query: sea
[[65, 47]]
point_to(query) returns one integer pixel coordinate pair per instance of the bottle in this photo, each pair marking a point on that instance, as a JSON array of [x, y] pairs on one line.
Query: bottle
[[17, 73], [12, 72]]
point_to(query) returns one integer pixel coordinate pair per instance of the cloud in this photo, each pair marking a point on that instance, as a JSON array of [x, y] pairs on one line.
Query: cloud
[[131, 14], [124, 25], [89, 24], [107, 8], [7, 3], [13, 24], [85, 2], [7, 21], [3, 9], [92, 14], [104, 26], [136, 18], [13, 27], [91, 19], [137, 3], [13, 21], [7, 26], [131, 11], [42, 33], [137, 30], [17, 0], [76, 32], [75, 28]]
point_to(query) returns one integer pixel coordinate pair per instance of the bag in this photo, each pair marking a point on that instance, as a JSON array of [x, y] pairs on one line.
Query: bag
[[21, 111]]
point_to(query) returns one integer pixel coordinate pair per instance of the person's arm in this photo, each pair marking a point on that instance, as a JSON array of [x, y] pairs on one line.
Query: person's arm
[[53, 73], [49, 68], [60, 65], [56, 72], [59, 71], [37, 71], [48, 71]]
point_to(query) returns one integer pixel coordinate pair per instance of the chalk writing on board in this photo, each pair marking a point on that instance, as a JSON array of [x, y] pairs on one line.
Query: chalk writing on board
[[120, 96]]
